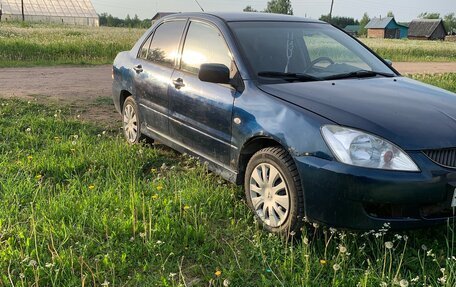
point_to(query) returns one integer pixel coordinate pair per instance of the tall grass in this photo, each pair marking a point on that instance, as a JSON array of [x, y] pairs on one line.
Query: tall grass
[[39, 44], [403, 50], [44, 44], [80, 207]]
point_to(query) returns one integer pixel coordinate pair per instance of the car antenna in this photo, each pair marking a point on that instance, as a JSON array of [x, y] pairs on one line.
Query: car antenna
[[199, 5]]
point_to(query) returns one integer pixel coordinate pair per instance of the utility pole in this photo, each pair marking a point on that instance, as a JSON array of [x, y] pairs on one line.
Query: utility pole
[[331, 11], [23, 15], [1, 12]]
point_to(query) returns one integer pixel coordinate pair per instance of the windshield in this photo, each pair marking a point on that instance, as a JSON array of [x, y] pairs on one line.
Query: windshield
[[280, 51]]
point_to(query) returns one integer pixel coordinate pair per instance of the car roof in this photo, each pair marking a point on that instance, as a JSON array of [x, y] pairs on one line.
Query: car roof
[[247, 16]]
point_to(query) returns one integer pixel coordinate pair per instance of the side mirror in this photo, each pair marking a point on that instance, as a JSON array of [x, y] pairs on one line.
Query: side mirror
[[214, 73], [389, 62]]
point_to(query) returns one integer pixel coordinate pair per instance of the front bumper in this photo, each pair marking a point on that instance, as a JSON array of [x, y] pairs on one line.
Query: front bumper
[[352, 197]]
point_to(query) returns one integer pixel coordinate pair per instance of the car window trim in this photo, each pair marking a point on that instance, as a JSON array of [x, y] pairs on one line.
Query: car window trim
[[150, 36]]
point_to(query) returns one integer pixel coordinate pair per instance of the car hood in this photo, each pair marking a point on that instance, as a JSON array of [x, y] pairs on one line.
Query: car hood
[[413, 115]]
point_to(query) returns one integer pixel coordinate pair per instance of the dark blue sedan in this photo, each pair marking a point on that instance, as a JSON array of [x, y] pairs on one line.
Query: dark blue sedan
[[316, 126]]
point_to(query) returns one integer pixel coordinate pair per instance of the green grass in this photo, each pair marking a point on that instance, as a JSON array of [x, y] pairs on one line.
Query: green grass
[[405, 50], [43, 45], [80, 207], [446, 81]]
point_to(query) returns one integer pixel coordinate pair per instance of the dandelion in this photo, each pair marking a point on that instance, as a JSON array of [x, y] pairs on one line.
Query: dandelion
[[323, 262], [160, 187], [388, 244], [155, 196], [218, 273], [336, 267], [342, 249], [403, 283], [153, 170], [32, 263], [91, 187], [30, 157], [186, 207], [38, 177]]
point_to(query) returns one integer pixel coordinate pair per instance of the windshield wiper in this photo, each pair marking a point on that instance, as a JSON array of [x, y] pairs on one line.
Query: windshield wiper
[[359, 74], [289, 76]]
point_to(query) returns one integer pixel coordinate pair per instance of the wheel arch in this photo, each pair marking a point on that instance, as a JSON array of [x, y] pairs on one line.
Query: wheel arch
[[124, 94], [250, 147]]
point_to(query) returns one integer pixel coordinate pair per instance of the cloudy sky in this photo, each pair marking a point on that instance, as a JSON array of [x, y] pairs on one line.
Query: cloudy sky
[[404, 10]]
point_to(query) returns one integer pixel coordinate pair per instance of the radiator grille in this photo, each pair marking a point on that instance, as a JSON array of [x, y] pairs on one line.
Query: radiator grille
[[445, 157]]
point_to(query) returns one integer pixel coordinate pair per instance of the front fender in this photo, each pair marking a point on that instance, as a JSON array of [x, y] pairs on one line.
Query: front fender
[[263, 115]]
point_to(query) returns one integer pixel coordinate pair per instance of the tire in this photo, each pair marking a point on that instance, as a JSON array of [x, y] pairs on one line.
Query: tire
[[278, 201], [131, 121]]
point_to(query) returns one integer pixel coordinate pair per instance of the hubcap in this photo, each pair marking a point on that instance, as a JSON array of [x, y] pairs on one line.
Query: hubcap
[[130, 123], [269, 195]]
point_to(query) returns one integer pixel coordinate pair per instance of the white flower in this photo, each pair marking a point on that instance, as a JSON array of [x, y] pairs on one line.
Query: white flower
[[32, 263], [172, 275], [332, 230], [416, 279], [75, 137], [306, 241], [226, 283], [49, 265], [56, 115], [383, 284], [105, 283], [21, 275], [142, 235], [388, 244], [73, 142], [336, 267], [342, 249], [403, 283], [28, 130], [292, 233], [424, 247]]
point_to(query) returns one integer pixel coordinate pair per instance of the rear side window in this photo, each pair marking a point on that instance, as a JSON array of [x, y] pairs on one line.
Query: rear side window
[[165, 43], [204, 44], [145, 48]]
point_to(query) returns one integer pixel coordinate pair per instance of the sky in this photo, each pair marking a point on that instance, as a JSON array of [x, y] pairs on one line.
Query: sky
[[404, 10]]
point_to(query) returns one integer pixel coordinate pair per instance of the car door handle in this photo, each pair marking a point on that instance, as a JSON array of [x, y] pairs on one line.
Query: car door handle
[[179, 83], [138, 68]]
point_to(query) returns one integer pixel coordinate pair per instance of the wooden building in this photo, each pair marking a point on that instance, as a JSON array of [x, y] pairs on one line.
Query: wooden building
[[386, 28], [427, 29]]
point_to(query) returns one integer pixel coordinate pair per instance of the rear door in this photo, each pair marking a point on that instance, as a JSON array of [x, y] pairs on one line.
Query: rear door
[[155, 65], [201, 112]]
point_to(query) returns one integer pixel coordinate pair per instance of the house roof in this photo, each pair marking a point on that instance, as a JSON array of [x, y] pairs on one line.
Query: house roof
[[379, 23], [352, 28], [424, 27]]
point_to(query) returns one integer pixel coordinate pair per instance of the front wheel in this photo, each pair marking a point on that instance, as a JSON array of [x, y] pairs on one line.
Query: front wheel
[[273, 190]]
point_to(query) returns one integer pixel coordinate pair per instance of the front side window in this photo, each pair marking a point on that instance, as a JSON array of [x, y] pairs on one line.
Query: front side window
[[165, 44], [204, 44]]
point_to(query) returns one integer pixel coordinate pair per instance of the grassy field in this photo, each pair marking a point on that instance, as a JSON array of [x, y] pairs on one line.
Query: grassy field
[[413, 50], [39, 44], [80, 207]]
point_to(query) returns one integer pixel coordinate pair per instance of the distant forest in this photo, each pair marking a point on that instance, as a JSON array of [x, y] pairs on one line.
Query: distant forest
[[111, 21]]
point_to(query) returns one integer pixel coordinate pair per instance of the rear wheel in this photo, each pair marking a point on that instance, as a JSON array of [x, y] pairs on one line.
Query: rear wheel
[[131, 121], [273, 190]]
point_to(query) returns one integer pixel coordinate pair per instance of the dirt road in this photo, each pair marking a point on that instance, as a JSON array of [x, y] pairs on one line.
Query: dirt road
[[87, 90]]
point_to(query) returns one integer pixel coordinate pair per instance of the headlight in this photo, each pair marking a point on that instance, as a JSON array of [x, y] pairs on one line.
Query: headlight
[[362, 149]]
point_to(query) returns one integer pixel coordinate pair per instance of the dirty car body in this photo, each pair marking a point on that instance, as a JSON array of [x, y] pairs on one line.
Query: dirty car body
[[368, 146]]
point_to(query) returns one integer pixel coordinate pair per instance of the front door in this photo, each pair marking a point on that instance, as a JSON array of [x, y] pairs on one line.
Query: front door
[[200, 112]]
